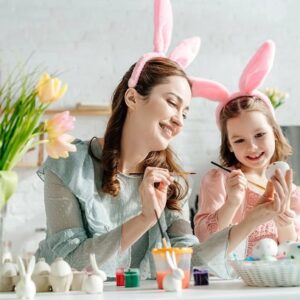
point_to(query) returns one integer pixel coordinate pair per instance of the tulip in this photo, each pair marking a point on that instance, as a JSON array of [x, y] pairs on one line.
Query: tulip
[[49, 89], [59, 143]]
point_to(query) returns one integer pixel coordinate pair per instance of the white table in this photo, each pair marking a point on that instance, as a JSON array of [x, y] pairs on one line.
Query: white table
[[218, 289]]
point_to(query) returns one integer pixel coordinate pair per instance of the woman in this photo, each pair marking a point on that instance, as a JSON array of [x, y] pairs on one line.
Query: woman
[[94, 204]]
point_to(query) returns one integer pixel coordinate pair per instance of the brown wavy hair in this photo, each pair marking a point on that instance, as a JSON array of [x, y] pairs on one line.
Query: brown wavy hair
[[250, 103], [155, 72]]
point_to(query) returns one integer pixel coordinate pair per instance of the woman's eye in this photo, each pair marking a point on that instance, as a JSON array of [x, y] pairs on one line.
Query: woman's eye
[[184, 116], [172, 103]]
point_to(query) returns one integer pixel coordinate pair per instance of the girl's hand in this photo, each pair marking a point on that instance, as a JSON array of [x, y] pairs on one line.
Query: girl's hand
[[283, 186], [153, 191], [275, 202], [268, 207], [236, 185]]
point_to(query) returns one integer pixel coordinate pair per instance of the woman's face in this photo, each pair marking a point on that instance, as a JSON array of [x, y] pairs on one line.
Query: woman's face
[[252, 140], [161, 116]]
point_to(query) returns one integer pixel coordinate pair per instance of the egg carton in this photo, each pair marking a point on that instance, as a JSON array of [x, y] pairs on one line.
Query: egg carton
[[268, 273]]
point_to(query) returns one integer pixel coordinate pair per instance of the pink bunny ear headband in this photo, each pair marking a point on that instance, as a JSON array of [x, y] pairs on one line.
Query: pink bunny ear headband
[[183, 54], [252, 78]]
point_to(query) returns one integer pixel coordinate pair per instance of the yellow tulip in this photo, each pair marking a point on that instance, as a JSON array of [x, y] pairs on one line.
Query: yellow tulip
[[49, 89]]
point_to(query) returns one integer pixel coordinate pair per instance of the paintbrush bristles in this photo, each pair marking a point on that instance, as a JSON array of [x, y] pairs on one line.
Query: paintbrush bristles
[[164, 242]]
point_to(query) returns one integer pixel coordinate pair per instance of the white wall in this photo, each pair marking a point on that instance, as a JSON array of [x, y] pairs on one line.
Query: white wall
[[93, 42]]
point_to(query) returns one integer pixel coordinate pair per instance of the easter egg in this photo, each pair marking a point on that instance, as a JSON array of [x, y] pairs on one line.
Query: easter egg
[[277, 165], [265, 248], [283, 248], [293, 251]]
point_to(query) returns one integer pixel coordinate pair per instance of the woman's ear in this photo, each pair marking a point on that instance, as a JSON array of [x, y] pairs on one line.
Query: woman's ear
[[131, 98]]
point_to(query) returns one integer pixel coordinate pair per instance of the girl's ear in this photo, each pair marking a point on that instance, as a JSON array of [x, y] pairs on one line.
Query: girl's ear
[[131, 98]]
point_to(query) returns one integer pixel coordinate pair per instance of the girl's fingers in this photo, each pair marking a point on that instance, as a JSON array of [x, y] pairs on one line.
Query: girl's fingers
[[281, 179], [289, 179]]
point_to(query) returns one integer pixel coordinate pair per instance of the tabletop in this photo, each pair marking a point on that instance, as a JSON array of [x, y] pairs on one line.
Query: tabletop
[[217, 289]]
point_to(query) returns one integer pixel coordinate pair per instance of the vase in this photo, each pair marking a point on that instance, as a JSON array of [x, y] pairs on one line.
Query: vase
[[8, 184]]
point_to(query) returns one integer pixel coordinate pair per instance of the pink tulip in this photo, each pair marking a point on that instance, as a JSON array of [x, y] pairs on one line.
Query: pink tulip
[[59, 142]]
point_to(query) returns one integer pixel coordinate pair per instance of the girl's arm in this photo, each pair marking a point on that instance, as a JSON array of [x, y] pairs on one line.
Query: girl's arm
[[220, 198], [285, 222], [211, 197]]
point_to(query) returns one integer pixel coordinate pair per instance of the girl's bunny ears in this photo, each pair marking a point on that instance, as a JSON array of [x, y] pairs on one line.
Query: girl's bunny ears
[[183, 54], [252, 78]]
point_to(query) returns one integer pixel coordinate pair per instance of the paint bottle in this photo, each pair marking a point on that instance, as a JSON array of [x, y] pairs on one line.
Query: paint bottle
[[132, 278], [120, 278], [200, 276]]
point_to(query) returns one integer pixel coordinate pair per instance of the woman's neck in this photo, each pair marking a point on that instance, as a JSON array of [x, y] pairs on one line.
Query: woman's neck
[[133, 152]]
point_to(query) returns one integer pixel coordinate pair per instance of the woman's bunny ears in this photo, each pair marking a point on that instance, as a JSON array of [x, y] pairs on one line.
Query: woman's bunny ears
[[183, 54], [252, 78]]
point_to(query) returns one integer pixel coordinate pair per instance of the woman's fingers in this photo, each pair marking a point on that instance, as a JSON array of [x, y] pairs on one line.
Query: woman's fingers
[[157, 175]]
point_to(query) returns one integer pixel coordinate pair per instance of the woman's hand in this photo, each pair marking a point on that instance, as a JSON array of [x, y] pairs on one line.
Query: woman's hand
[[153, 191], [236, 185]]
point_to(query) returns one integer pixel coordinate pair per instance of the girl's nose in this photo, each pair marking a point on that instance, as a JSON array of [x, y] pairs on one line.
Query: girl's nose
[[252, 144]]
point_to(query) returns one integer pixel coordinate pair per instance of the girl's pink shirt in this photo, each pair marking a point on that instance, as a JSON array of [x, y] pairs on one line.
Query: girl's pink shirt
[[212, 196]]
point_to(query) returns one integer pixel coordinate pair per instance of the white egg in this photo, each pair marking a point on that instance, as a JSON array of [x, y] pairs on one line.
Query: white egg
[[283, 248], [280, 165], [293, 251], [265, 248]]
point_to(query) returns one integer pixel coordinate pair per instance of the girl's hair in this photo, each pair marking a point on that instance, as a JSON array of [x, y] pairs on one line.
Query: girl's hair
[[155, 72], [246, 104]]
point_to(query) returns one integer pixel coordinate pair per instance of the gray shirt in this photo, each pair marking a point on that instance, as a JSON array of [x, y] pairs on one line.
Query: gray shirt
[[81, 219]]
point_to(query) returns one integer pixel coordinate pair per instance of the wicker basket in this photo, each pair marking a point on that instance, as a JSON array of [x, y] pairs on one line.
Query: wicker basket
[[268, 273]]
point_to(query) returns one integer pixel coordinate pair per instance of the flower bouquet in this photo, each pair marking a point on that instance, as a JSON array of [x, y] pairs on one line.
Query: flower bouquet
[[276, 96], [22, 105]]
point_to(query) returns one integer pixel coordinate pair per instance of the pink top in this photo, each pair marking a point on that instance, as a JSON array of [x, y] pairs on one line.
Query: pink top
[[212, 197]]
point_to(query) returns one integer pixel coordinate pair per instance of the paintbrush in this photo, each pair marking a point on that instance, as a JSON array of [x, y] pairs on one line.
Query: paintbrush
[[171, 173], [228, 170], [161, 231]]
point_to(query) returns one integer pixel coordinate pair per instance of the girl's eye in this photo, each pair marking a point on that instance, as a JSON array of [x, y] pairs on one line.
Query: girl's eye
[[261, 134], [238, 141], [184, 116]]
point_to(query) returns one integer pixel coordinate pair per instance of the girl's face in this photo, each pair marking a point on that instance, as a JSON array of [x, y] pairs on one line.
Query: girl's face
[[252, 140], [161, 116]]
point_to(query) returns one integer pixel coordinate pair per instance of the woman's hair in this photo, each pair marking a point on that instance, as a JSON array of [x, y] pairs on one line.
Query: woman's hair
[[155, 72], [246, 104]]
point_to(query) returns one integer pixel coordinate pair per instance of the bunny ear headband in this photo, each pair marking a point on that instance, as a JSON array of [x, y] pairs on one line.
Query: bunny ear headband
[[183, 54], [252, 78]]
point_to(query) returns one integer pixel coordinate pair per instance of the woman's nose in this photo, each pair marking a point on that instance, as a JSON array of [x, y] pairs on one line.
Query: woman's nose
[[178, 120]]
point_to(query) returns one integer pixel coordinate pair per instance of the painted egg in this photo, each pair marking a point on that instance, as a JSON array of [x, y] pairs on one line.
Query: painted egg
[[265, 248], [283, 248], [293, 251], [280, 165], [270, 258]]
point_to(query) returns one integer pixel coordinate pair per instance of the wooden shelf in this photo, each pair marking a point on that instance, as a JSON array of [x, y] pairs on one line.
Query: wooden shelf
[[82, 112]]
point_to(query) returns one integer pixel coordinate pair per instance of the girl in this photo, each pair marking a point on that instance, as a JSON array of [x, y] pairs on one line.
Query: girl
[[251, 140]]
